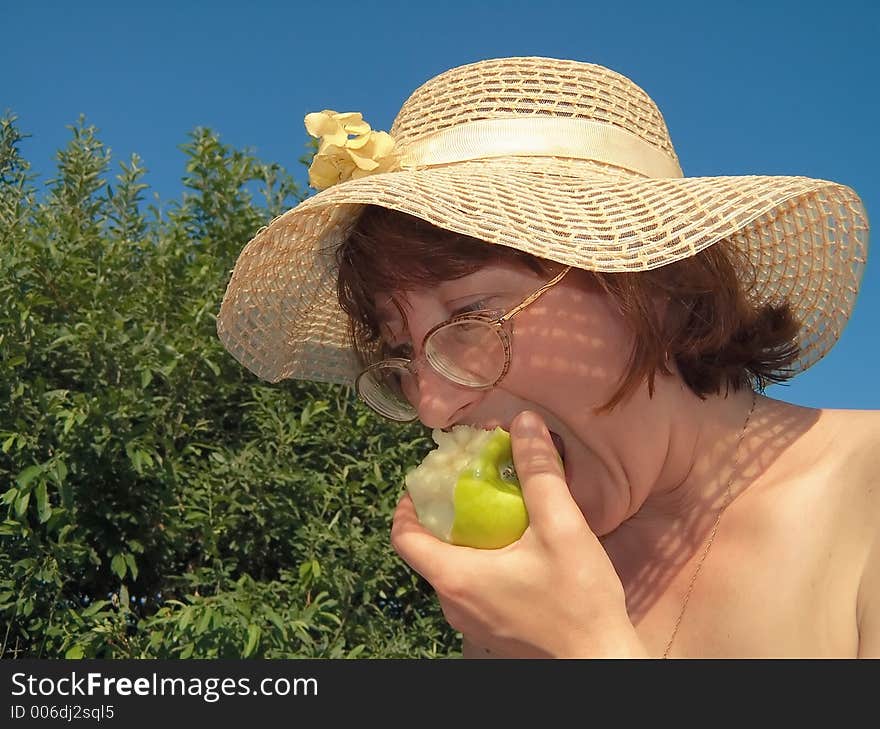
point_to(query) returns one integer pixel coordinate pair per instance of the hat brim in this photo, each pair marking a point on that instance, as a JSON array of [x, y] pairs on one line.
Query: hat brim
[[806, 238]]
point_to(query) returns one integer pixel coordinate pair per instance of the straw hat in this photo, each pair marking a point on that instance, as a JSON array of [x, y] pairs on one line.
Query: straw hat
[[565, 160]]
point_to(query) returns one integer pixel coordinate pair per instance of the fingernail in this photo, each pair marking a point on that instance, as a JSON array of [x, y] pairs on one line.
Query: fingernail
[[527, 424]]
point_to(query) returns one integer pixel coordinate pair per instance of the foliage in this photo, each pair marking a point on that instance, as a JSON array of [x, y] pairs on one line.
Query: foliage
[[159, 500]]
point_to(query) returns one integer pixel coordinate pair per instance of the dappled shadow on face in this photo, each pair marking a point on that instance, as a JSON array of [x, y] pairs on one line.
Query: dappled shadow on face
[[574, 337]]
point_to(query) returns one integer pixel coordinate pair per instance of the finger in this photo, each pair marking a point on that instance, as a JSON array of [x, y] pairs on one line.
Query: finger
[[541, 475], [420, 549]]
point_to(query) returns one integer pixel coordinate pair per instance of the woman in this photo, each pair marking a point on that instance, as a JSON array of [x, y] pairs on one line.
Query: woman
[[615, 313]]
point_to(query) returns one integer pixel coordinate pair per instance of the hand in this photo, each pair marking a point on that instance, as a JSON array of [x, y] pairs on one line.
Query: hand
[[554, 592]]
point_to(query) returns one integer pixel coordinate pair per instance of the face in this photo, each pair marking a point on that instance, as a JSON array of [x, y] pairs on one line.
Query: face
[[569, 350]]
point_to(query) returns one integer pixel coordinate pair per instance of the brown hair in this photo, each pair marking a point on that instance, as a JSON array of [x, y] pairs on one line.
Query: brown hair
[[716, 337]]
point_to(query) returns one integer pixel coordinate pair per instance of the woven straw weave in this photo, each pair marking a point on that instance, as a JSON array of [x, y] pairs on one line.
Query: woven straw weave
[[807, 238]]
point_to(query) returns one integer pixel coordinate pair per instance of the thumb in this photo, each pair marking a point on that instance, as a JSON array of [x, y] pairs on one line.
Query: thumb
[[541, 475]]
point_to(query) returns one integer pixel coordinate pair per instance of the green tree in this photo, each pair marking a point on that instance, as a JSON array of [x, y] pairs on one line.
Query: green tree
[[159, 500]]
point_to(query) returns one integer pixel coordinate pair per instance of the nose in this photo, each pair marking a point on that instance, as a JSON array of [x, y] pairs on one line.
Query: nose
[[439, 402]]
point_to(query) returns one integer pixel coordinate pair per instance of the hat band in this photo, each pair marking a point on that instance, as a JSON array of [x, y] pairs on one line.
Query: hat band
[[541, 137]]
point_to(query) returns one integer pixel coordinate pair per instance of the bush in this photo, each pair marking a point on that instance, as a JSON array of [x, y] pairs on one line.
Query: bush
[[160, 501]]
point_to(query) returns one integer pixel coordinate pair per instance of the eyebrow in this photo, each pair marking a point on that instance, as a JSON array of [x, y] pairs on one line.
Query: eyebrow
[[496, 285]]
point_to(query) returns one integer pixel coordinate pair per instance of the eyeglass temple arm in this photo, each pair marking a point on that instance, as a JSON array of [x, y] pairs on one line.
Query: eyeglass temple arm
[[535, 296]]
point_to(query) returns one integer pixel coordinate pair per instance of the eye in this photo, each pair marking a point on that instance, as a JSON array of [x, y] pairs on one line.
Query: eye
[[404, 350], [481, 305]]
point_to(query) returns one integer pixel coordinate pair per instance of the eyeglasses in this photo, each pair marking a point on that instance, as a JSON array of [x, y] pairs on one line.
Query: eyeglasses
[[471, 350]]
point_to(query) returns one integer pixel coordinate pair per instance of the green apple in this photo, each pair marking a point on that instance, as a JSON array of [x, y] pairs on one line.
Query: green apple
[[466, 491]]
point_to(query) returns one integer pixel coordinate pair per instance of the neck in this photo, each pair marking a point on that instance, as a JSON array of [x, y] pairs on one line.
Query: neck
[[703, 445], [697, 479]]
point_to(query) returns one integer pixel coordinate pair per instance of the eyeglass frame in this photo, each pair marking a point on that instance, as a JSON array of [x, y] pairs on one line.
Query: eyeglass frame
[[497, 322]]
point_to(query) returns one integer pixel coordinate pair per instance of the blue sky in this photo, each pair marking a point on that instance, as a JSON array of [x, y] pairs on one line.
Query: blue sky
[[746, 88]]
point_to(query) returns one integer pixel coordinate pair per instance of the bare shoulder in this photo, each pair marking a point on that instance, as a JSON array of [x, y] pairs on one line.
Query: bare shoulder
[[858, 424], [853, 439], [855, 436], [827, 461], [839, 452], [844, 445], [821, 467]]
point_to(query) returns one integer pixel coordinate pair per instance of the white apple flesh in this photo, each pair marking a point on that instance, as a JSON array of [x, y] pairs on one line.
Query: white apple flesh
[[466, 491]]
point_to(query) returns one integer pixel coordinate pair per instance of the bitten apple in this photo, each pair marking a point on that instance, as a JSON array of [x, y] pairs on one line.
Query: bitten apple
[[466, 491]]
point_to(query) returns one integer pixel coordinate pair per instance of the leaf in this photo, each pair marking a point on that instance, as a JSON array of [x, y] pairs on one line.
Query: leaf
[[135, 546], [59, 472], [304, 569], [275, 619], [253, 638], [132, 565], [156, 639], [21, 503], [27, 475], [204, 622], [117, 565], [75, 651], [44, 509], [146, 378], [145, 458], [95, 607], [169, 368], [63, 338], [68, 422]]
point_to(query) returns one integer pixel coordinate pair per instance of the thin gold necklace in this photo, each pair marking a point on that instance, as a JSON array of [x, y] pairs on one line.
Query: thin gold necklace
[[727, 500]]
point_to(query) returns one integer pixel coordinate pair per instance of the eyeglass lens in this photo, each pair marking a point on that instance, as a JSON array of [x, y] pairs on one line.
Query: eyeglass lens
[[469, 352], [390, 389]]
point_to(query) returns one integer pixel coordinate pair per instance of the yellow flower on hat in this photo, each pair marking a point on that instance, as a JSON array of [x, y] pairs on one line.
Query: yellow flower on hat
[[349, 148], [333, 128]]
